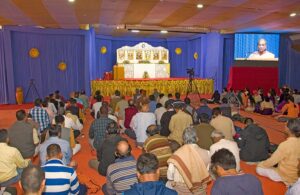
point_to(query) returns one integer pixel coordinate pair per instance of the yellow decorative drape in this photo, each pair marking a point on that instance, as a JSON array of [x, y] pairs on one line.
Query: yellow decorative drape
[[127, 87]]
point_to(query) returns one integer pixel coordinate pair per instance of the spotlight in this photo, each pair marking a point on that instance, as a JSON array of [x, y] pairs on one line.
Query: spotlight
[[163, 31], [293, 14], [135, 31], [200, 6], [71, 1]]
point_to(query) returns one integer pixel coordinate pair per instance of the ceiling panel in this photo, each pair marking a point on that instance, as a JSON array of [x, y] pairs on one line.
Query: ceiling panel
[[37, 12], [106, 15]]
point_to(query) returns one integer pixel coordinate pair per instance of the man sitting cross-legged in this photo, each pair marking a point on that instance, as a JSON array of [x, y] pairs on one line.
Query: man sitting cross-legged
[[121, 174], [229, 181], [148, 175], [55, 138], [23, 136], [33, 180], [188, 166], [11, 161], [160, 147], [60, 179], [105, 152]]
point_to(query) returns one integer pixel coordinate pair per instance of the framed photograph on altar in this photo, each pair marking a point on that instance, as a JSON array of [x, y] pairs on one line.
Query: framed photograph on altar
[[139, 55], [130, 55], [121, 55], [148, 55], [164, 55], [155, 55]]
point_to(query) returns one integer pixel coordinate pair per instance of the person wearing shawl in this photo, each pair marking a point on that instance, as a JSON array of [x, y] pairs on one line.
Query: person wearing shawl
[[188, 166]]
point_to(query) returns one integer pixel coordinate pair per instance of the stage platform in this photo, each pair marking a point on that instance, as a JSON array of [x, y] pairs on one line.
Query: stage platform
[[163, 85]]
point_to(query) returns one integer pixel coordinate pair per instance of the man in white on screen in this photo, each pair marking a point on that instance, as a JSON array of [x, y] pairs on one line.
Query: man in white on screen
[[262, 52]]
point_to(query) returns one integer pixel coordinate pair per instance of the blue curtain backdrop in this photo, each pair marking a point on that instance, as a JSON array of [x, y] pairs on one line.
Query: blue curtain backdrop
[[55, 45], [80, 50], [289, 60], [3, 80]]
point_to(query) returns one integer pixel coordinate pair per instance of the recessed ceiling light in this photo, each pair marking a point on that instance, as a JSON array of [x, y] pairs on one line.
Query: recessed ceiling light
[[71, 1], [164, 31], [135, 31], [199, 6], [0, 27], [293, 14]]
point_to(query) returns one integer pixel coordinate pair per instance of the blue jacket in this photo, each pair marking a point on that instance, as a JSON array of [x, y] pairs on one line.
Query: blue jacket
[[150, 188]]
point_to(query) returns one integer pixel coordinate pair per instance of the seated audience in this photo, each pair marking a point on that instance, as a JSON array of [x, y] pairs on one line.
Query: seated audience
[[296, 96], [139, 123], [188, 166], [105, 151], [122, 173], [23, 136], [266, 107], [33, 180], [170, 99], [179, 122], [73, 107], [120, 110], [285, 157], [40, 116], [72, 122], [60, 179], [115, 99], [290, 110], [225, 108], [50, 113], [162, 99], [203, 131], [67, 134], [129, 113], [222, 124], [98, 128], [191, 110], [52, 103], [55, 134], [148, 176], [215, 99], [165, 120], [160, 147], [96, 106], [220, 142], [11, 161], [152, 103], [295, 188], [78, 100], [253, 142], [142, 99], [229, 181], [159, 111], [204, 108], [84, 99], [224, 93], [156, 94], [93, 99]]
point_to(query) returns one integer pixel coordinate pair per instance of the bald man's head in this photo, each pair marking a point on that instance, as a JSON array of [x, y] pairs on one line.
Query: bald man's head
[[123, 149]]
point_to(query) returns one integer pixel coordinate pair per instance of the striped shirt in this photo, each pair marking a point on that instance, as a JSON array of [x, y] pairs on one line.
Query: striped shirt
[[160, 147], [40, 116], [60, 179], [121, 175]]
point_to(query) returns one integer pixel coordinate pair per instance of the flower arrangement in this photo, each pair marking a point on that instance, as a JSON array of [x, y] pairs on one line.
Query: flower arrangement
[[145, 75]]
